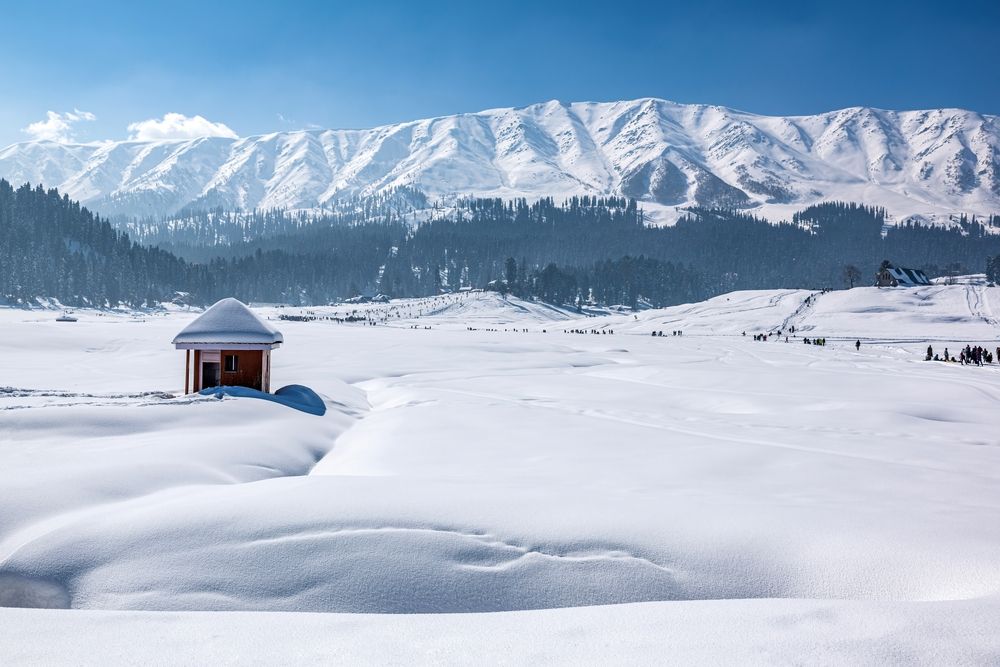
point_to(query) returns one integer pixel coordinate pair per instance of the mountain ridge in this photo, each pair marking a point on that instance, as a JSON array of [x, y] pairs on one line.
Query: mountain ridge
[[922, 164]]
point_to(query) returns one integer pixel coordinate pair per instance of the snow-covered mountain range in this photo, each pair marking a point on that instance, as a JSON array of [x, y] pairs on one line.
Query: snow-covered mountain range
[[926, 164]]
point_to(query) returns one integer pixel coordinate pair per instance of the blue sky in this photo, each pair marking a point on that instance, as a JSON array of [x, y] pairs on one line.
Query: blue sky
[[251, 67]]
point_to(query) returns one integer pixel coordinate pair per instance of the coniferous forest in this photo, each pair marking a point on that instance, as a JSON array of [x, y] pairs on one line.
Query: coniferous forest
[[598, 249]]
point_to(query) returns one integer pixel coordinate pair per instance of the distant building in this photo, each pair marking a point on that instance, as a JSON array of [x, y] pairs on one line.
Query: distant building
[[891, 276], [227, 345]]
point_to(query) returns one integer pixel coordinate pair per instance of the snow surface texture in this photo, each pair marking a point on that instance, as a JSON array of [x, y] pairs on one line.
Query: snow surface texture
[[924, 164], [725, 632], [765, 502]]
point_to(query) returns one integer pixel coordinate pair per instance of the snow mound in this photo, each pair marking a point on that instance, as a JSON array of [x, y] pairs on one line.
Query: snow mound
[[18, 591], [293, 396], [494, 309]]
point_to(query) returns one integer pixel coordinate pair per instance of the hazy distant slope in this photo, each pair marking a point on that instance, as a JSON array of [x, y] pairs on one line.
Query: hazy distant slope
[[924, 163]]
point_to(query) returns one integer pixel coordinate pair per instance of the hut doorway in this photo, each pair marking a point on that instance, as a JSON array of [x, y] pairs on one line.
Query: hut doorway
[[210, 374]]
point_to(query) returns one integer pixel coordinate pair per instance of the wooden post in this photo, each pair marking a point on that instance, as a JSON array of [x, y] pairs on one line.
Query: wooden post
[[197, 371], [267, 370], [187, 371]]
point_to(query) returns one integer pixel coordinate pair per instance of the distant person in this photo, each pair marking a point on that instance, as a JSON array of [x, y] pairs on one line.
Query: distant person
[[930, 353], [857, 345]]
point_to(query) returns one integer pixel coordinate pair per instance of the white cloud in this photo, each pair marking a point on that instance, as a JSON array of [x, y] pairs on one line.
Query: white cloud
[[177, 126], [285, 120], [57, 126]]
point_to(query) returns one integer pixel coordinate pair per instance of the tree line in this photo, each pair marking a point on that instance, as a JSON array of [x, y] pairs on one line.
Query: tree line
[[584, 249]]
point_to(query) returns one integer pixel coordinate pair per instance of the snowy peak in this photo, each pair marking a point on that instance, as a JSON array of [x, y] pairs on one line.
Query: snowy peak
[[927, 164]]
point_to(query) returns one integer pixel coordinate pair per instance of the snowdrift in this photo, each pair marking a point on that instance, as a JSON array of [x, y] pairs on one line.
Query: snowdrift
[[294, 396], [468, 469]]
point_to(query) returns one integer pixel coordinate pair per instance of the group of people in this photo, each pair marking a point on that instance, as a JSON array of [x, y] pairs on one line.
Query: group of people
[[763, 337], [495, 330], [672, 333], [970, 356], [609, 332], [370, 312], [776, 334]]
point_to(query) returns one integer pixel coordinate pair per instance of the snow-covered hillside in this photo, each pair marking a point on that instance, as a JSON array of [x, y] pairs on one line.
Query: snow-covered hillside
[[967, 311], [928, 164], [885, 315], [818, 503]]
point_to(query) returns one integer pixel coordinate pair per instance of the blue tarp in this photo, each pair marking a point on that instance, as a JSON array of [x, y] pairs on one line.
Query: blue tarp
[[294, 396]]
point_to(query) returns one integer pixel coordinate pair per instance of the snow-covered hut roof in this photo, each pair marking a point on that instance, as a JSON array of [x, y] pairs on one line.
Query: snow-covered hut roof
[[908, 277], [228, 323]]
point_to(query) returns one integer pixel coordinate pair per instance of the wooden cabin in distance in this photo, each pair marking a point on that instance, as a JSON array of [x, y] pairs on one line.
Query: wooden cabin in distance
[[891, 276], [227, 345]]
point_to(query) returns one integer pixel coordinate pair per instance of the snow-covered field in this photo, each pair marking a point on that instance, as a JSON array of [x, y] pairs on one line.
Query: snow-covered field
[[751, 502]]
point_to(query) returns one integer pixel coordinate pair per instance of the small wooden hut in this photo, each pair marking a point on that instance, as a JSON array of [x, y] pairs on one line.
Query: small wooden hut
[[227, 345], [892, 276]]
